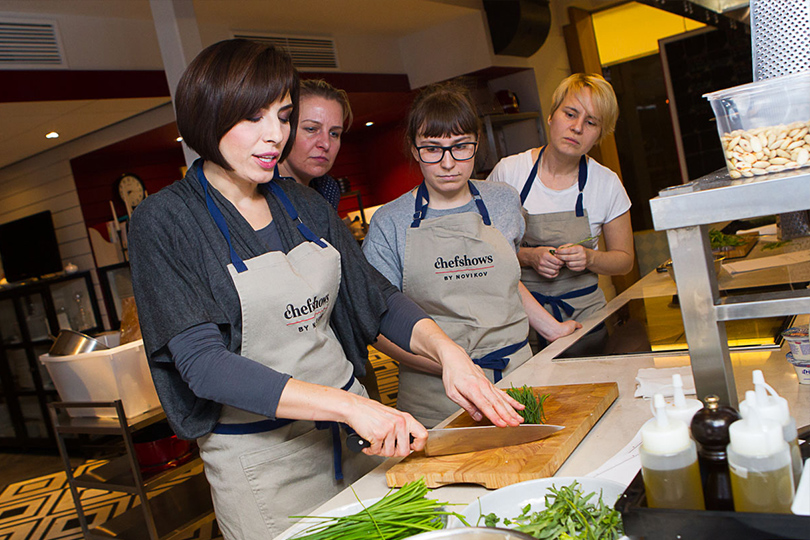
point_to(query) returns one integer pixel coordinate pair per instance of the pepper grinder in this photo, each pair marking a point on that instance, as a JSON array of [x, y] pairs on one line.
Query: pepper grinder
[[710, 430]]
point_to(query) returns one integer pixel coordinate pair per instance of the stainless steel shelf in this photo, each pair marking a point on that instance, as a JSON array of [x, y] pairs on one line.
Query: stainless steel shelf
[[685, 212], [716, 198]]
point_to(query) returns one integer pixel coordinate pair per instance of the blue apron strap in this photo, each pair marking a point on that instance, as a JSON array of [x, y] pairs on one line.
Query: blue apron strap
[[293, 213], [527, 187], [219, 219], [558, 302], [582, 180], [498, 360], [420, 209], [479, 202], [269, 425]]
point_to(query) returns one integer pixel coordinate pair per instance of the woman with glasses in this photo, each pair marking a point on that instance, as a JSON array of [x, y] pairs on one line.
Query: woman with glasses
[[570, 200], [450, 246]]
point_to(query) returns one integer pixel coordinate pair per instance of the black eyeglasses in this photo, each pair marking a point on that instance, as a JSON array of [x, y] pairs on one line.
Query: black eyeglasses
[[459, 152]]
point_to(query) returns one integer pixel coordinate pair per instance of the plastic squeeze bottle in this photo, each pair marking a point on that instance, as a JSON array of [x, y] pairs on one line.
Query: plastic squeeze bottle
[[774, 407], [669, 462], [682, 409], [759, 463], [710, 430]]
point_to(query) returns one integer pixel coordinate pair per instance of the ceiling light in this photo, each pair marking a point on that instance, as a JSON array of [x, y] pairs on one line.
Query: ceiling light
[[179, 139], [51, 135], [369, 124]]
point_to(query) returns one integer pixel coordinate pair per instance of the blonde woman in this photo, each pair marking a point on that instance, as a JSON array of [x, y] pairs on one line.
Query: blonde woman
[[569, 200]]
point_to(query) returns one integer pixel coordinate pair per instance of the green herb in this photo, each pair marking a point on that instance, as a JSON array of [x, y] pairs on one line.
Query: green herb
[[774, 245], [533, 413], [721, 240], [399, 514], [568, 515]]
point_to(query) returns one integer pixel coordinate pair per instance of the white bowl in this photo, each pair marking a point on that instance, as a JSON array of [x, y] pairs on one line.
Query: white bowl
[[508, 501]]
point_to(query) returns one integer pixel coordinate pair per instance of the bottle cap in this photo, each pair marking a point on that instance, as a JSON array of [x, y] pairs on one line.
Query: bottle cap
[[681, 408], [754, 436], [663, 435], [768, 403]]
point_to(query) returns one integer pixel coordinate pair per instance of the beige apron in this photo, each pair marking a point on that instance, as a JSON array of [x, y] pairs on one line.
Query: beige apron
[[571, 295], [262, 471], [464, 274]]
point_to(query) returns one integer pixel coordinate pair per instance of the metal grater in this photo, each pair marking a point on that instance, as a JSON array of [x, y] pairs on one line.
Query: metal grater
[[780, 45]]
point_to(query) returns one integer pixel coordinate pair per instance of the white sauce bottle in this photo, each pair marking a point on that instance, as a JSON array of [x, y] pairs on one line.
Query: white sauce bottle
[[774, 407], [669, 463], [759, 463], [682, 408]]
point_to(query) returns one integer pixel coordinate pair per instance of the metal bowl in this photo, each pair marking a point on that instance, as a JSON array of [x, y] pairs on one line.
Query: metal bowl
[[70, 342], [474, 533]]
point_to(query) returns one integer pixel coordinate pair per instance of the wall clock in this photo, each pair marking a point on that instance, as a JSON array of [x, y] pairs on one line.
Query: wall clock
[[130, 189]]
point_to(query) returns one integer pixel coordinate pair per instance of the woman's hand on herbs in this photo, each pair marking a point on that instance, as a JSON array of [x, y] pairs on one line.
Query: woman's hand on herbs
[[542, 259], [574, 257], [466, 384]]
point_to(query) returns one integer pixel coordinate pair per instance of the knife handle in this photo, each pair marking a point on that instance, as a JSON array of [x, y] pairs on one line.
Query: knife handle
[[356, 443]]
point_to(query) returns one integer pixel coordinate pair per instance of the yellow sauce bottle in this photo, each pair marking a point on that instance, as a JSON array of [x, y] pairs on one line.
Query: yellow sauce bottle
[[669, 463], [759, 462], [772, 406]]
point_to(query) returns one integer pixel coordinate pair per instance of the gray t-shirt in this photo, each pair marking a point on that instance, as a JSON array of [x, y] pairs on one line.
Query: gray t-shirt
[[384, 245]]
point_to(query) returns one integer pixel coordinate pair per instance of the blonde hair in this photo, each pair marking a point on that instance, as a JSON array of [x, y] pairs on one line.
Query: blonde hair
[[321, 88], [602, 96]]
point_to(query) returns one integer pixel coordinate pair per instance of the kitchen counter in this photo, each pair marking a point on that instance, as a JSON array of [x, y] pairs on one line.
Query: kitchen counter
[[619, 425]]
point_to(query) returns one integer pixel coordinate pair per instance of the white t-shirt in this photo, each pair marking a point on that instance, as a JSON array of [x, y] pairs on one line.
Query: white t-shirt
[[604, 196]]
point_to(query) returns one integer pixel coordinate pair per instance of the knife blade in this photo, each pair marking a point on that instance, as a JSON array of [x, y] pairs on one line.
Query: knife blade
[[447, 441]]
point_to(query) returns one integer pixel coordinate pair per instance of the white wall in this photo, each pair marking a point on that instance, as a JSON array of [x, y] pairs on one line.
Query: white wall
[[45, 182]]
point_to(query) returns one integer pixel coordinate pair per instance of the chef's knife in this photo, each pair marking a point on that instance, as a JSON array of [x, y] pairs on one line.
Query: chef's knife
[[471, 439]]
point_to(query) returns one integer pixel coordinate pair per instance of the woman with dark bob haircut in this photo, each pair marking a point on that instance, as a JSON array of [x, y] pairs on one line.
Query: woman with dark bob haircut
[[450, 245], [256, 307]]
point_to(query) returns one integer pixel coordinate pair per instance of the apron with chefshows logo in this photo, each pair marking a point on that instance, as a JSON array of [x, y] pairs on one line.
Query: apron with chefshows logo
[[262, 471], [571, 295], [465, 274]]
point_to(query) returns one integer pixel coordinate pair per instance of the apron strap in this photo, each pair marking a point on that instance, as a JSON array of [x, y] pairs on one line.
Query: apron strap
[[498, 360], [558, 302], [269, 425], [293, 213], [582, 179], [420, 208], [219, 219]]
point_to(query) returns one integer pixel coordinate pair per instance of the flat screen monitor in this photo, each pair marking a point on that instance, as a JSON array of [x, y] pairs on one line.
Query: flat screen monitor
[[28, 247]]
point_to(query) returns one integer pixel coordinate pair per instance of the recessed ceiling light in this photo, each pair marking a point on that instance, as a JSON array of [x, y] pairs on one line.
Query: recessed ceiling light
[[179, 139], [52, 135], [369, 124]]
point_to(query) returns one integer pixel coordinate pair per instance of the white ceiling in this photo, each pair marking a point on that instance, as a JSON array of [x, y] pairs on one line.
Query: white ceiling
[[24, 125]]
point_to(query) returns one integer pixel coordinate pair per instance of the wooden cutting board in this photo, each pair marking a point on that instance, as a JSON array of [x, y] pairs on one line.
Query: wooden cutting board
[[575, 406], [738, 252]]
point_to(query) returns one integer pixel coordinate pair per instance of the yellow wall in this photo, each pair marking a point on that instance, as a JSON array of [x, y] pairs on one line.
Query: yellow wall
[[632, 30]]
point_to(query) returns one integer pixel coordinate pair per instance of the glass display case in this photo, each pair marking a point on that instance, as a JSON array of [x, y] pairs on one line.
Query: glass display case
[[30, 313]]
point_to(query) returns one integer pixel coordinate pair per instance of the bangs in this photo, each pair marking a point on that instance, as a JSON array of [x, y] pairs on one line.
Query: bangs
[[444, 115]]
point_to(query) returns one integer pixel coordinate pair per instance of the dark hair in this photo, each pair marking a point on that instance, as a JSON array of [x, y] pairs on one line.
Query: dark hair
[[227, 83], [440, 110], [321, 88]]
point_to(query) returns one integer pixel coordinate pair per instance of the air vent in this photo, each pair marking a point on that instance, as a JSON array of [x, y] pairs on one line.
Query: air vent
[[306, 52], [26, 44]]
